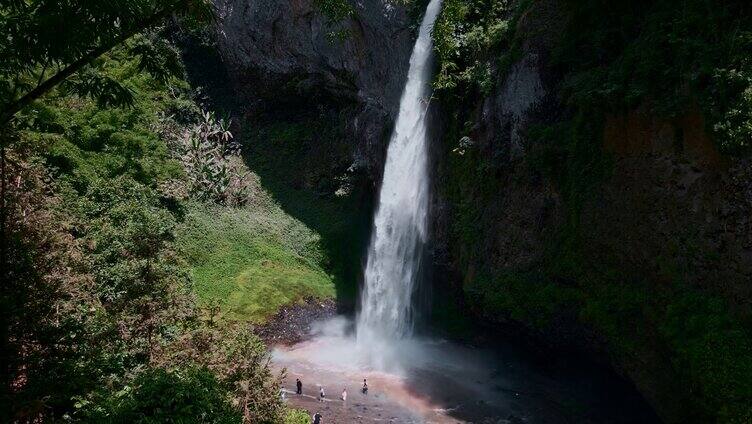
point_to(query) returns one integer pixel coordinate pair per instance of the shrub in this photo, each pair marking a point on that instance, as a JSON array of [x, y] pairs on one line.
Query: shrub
[[467, 35], [192, 395], [297, 416], [207, 155]]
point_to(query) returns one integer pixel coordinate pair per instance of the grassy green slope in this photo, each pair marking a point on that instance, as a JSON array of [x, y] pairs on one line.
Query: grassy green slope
[[252, 260], [302, 159], [296, 239]]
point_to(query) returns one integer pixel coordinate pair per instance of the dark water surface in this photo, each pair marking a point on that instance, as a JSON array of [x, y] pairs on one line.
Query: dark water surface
[[503, 384]]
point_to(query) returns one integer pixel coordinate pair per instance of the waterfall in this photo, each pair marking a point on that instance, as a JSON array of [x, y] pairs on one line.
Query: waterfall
[[400, 224]]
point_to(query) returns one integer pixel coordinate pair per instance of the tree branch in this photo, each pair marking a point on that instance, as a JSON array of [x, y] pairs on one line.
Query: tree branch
[[16, 106], [44, 71]]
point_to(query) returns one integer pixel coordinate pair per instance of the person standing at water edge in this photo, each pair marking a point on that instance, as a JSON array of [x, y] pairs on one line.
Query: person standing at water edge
[[298, 386], [365, 387], [344, 395], [322, 395], [317, 418]]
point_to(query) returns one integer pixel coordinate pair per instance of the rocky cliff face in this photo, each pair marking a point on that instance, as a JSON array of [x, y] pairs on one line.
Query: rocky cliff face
[[609, 252], [666, 180], [516, 208], [286, 53]]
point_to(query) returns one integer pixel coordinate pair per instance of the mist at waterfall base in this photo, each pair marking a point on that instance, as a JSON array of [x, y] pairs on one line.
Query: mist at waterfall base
[[431, 377], [439, 381]]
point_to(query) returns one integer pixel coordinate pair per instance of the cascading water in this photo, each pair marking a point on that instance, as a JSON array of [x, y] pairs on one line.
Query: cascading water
[[399, 236]]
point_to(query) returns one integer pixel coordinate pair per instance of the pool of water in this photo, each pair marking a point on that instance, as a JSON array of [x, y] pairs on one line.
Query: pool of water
[[427, 379]]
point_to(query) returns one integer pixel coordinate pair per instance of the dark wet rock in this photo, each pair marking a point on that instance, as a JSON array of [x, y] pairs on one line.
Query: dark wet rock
[[282, 52], [292, 323]]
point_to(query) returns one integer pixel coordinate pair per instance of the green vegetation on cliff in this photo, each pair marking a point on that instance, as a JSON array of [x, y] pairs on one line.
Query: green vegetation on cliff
[[666, 57], [616, 56], [472, 40], [668, 54]]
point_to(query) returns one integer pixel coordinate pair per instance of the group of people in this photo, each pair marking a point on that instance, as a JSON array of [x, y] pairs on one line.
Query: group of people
[[322, 395]]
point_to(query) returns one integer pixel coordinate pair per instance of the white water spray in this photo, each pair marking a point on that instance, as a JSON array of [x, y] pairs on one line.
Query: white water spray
[[399, 234]]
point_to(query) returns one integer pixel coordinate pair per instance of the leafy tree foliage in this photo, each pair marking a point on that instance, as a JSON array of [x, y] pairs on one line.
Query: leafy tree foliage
[[46, 300], [469, 36], [240, 361], [192, 395], [209, 156], [99, 319], [45, 42]]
